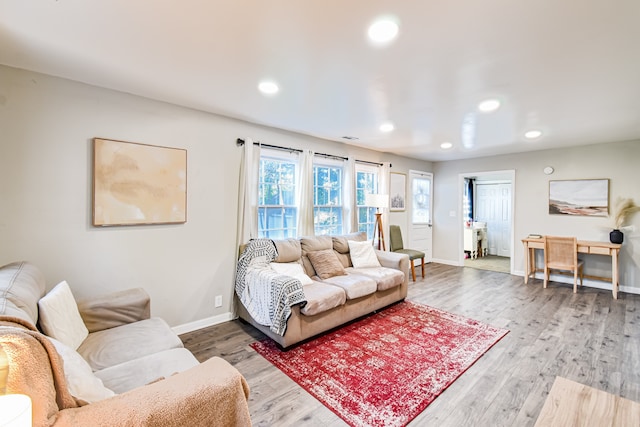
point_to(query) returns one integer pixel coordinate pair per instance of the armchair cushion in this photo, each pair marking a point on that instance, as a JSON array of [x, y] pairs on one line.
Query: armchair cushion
[[113, 346], [145, 370], [115, 309], [60, 318]]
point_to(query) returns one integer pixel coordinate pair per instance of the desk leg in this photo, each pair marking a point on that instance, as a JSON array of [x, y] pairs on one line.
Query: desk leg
[[614, 273], [527, 265]]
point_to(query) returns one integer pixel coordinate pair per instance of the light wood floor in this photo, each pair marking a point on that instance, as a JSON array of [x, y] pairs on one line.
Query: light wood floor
[[589, 338]]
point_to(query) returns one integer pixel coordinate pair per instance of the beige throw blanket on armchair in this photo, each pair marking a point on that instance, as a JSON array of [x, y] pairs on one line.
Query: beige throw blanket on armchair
[[210, 394], [35, 369]]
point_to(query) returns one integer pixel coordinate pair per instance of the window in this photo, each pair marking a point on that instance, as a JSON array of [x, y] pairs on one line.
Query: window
[[327, 199], [366, 183], [277, 208]]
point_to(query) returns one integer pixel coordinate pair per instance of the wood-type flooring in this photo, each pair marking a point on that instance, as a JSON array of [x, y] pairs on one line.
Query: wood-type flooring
[[587, 337]]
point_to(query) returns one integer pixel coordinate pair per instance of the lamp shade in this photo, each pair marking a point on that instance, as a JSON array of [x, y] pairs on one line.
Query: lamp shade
[[377, 200], [15, 410]]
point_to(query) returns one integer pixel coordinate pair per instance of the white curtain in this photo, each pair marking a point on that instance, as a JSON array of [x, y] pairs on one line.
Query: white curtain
[[248, 193], [305, 194], [385, 179], [350, 220]]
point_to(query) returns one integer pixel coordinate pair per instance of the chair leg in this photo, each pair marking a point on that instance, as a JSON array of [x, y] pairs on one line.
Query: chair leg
[[422, 267], [575, 281], [581, 275], [546, 277], [413, 270]]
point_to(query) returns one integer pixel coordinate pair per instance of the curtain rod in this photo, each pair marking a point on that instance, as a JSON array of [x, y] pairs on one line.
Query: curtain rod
[[240, 142]]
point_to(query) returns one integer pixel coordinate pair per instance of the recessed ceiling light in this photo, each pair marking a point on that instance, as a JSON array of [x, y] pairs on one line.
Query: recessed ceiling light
[[446, 145], [533, 134], [383, 30], [268, 87], [387, 127], [489, 105]]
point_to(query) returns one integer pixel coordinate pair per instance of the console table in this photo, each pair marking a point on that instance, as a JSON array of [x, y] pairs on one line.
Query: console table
[[584, 247]]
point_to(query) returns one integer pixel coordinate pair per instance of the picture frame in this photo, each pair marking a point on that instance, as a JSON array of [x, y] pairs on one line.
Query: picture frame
[[579, 197], [397, 191], [138, 184]]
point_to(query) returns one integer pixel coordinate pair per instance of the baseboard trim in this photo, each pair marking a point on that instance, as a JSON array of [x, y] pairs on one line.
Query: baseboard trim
[[203, 323], [446, 262], [587, 282]]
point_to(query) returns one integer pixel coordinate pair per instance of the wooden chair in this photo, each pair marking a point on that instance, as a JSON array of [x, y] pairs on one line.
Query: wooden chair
[[395, 236], [561, 253]]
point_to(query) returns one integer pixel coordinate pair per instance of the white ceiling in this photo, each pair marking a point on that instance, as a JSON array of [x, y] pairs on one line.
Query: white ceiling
[[570, 68]]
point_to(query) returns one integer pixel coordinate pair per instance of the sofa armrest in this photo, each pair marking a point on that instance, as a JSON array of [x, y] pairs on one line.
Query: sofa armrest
[[115, 309], [394, 260], [213, 393]]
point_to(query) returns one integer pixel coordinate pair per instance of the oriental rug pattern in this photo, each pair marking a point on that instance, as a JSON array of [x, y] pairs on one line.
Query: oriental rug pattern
[[385, 369]]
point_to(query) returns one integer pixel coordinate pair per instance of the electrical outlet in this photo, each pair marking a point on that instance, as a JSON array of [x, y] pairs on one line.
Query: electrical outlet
[[218, 302]]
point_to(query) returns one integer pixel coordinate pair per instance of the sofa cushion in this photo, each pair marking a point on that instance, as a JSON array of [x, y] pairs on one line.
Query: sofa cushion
[[82, 382], [363, 255], [293, 269], [135, 373], [60, 318], [322, 297], [354, 285], [386, 278], [289, 250], [22, 285], [313, 244], [341, 243], [117, 345], [326, 263]]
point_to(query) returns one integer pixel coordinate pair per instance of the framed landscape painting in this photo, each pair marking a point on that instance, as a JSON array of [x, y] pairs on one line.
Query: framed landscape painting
[[585, 197], [137, 184]]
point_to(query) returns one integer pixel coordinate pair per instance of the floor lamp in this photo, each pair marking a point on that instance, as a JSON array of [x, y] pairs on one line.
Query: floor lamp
[[378, 201]]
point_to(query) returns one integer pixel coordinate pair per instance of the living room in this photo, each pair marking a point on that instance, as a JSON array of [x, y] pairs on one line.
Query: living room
[[48, 124]]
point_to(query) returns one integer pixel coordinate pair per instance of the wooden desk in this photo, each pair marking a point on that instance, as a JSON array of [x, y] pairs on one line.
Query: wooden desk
[[584, 247]]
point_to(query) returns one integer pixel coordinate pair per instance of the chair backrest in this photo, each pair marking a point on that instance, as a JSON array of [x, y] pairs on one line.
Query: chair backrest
[[395, 236], [561, 252]]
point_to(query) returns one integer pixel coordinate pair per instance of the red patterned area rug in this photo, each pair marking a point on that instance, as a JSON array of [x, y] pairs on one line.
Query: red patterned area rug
[[385, 369]]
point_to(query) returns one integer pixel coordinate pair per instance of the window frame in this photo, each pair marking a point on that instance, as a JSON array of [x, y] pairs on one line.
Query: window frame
[[369, 225], [337, 227], [281, 232]]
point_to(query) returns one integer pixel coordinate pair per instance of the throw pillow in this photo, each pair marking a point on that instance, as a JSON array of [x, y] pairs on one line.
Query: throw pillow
[[363, 255], [60, 318], [82, 383], [326, 263], [293, 269]]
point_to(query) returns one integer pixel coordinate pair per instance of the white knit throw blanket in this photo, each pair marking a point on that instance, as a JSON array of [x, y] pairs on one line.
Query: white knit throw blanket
[[267, 295]]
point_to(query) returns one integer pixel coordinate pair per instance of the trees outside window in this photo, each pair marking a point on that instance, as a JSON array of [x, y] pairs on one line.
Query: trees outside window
[[277, 207], [328, 210]]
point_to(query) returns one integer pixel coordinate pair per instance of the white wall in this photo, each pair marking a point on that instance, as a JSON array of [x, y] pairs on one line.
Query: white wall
[[46, 130], [616, 161]]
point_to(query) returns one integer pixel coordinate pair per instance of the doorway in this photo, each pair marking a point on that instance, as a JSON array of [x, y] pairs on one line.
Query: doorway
[[487, 200], [420, 220]]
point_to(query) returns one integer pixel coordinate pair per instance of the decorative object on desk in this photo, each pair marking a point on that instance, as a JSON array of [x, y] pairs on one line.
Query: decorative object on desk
[[623, 210], [385, 369], [535, 236], [378, 201], [397, 191], [136, 184], [585, 197]]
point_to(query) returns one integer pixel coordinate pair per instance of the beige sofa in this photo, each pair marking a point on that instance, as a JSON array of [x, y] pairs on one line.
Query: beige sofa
[[336, 300], [130, 370]]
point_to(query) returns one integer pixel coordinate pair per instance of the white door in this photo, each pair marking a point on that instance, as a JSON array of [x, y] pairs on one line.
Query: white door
[[493, 206], [420, 204]]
